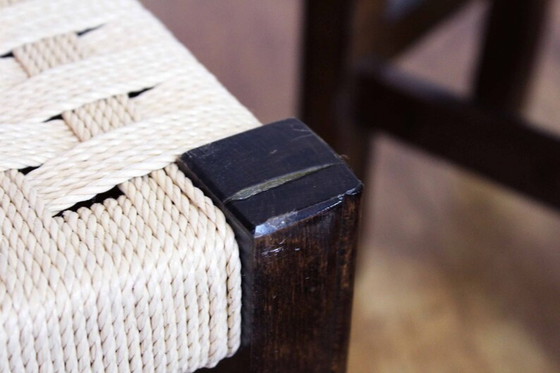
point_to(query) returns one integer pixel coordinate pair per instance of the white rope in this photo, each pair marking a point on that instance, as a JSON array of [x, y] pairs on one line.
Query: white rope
[[112, 37], [32, 20], [10, 72], [32, 144], [70, 86], [149, 280]]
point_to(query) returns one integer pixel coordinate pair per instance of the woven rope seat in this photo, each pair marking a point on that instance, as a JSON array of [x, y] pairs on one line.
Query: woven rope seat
[[97, 100]]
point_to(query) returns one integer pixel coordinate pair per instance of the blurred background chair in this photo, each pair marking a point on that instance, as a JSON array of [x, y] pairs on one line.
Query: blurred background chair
[[353, 88], [338, 35]]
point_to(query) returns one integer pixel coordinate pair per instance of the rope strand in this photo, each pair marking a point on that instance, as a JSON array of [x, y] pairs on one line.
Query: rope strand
[[150, 280]]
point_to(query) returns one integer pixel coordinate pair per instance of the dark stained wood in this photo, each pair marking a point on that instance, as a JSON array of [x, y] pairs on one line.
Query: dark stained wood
[[501, 147], [324, 94], [294, 206], [511, 39], [329, 41], [327, 28]]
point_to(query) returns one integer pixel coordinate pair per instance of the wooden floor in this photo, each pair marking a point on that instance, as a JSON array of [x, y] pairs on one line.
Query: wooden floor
[[455, 274]]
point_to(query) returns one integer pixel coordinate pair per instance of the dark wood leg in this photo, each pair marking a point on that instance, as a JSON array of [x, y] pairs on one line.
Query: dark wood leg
[[294, 206], [331, 40], [327, 34], [513, 29]]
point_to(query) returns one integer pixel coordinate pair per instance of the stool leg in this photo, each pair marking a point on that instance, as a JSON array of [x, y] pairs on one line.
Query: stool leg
[[327, 33], [294, 206], [513, 29]]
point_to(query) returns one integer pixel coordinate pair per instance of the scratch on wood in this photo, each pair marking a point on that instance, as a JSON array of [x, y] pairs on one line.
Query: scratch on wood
[[275, 182], [275, 251]]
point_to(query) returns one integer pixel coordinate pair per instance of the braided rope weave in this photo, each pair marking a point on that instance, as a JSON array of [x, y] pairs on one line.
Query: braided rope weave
[[148, 280]]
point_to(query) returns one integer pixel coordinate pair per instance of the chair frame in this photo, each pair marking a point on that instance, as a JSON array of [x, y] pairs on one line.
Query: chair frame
[[483, 134]]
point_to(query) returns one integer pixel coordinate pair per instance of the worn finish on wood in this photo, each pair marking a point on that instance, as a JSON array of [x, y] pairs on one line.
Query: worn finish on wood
[[511, 39], [501, 147], [294, 206]]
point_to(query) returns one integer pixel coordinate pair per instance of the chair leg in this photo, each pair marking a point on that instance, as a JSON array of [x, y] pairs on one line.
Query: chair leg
[[294, 206], [512, 34], [327, 31]]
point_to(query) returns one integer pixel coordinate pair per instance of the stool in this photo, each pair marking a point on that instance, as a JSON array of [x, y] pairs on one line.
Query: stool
[[148, 221]]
